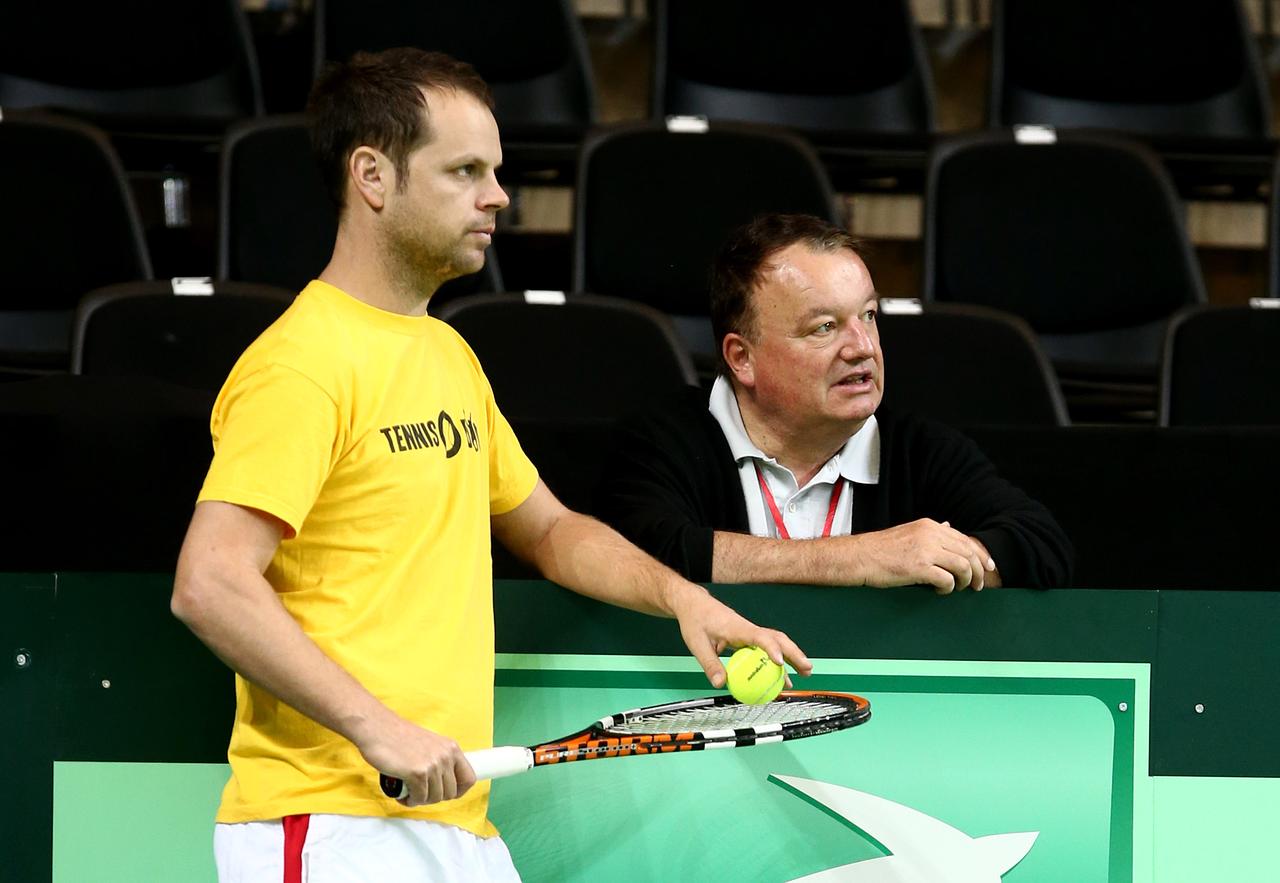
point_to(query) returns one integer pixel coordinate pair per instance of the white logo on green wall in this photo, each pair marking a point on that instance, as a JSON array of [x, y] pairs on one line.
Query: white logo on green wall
[[923, 849]]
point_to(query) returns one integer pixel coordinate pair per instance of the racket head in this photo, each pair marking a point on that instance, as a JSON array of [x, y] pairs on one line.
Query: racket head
[[696, 724], [710, 722], [793, 713]]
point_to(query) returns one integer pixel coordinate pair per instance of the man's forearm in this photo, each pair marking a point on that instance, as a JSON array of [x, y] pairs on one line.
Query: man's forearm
[[238, 616], [590, 558], [742, 558], [922, 552]]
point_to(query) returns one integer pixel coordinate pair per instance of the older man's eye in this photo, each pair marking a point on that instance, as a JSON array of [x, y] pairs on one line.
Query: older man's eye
[[869, 315]]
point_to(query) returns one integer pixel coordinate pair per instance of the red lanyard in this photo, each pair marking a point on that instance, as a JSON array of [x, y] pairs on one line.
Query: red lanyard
[[777, 516]]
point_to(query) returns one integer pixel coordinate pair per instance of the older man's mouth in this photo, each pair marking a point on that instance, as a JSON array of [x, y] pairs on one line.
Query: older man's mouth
[[855, 381]]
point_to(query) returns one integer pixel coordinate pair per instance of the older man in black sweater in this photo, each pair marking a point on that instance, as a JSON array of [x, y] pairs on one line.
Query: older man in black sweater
[[791, 472]]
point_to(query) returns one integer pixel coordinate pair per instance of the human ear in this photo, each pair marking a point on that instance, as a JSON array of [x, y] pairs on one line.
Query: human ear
[[736, 350], [370, 172]]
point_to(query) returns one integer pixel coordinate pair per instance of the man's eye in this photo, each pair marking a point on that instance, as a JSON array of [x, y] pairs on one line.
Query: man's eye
[[825, 328], [466, 171], [869, 315]]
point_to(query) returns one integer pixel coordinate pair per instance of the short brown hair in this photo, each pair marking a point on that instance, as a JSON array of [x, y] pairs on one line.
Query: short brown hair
[[376, 98], [743, 260]]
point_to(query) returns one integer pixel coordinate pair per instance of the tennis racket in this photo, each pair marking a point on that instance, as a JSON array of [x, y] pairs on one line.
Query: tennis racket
[[689, 725]]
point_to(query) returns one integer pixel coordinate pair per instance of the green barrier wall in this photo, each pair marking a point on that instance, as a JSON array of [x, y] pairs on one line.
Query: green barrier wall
[[1072, 714]]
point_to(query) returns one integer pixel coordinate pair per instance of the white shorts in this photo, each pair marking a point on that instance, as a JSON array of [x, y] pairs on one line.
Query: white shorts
[[356, 849]]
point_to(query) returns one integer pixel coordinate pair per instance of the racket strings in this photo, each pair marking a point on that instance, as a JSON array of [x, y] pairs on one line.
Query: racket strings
[[730, 717]]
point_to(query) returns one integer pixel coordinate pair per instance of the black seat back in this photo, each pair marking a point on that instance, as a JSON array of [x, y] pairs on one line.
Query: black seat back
[[1082, 237], [150, 60], [653, 206], [68, 224], [1140, 66], [146, 330], [576, 358], [1222, 367], [823, 67], [967, 366], [531, 52]]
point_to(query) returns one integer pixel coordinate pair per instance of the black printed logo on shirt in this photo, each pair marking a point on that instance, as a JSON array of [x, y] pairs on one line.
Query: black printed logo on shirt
[[442, 432]]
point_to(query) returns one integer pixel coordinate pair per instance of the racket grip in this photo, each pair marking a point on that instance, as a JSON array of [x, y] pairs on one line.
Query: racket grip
[[488, 763], [505, 760]]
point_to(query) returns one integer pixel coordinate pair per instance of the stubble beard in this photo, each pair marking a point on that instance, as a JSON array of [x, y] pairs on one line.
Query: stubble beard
[[422, 266]]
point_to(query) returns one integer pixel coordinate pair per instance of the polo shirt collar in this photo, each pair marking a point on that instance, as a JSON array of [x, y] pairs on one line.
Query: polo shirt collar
[[858, 461]]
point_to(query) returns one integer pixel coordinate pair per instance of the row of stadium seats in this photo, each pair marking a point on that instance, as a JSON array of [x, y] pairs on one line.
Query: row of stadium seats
[[599, 358], [852, 78], [822, 69], [1079, 234]]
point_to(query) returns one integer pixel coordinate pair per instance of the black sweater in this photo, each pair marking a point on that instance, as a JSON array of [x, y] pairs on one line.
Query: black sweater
[[673, 482]]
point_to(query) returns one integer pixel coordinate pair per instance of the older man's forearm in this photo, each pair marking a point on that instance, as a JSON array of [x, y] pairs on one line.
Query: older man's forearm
[[922, 552], [741, 558]]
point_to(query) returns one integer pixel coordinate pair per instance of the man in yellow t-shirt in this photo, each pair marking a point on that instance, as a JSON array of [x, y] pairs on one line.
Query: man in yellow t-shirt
[[338, 558]]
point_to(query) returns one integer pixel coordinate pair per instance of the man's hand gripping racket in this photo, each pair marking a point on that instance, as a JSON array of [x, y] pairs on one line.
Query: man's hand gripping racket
[[689, 725]]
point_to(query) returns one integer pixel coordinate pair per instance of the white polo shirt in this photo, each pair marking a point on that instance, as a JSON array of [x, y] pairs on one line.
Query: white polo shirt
[[804, 509]]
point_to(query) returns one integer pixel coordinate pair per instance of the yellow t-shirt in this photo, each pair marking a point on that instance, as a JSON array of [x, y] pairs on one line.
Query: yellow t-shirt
[[375, 438]]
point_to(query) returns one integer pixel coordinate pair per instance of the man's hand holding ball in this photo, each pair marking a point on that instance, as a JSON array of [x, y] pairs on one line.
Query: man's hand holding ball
[[754, 678]]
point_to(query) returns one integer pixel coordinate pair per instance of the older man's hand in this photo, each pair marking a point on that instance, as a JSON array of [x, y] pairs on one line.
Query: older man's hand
[[921, 552]]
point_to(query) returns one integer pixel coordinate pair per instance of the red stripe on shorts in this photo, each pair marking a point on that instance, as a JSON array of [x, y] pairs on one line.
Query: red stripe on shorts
[[295, 834]]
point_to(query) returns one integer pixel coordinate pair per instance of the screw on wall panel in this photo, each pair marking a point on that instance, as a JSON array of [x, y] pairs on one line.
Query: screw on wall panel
[[1199, 708], [1124, 706], [106, 684], [22, 658]]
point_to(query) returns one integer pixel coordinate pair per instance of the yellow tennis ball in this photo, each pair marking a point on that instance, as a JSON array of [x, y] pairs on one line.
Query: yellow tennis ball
[[754, 678]]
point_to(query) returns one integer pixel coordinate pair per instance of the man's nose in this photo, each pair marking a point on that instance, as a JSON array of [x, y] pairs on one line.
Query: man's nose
[[494, 197], [857, 344]]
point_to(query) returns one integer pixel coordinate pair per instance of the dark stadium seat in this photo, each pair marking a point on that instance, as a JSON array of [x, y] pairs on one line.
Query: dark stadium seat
[[595, 358], [1222, 367], [1141, 66], [653, 206], [563, 370], [1079, 234], [818, 68], [141, 66], [531, 52], [187, 332], [68, 224], [967, 365]]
